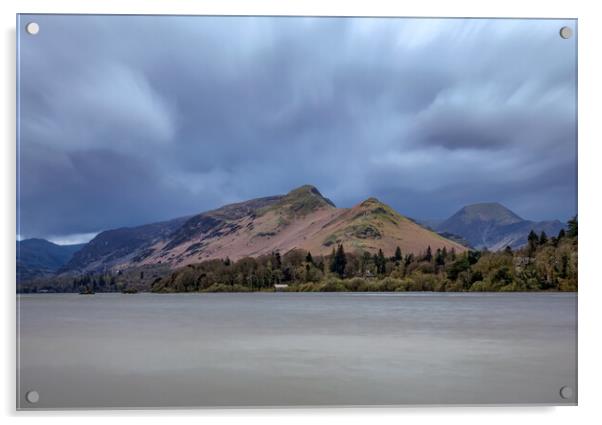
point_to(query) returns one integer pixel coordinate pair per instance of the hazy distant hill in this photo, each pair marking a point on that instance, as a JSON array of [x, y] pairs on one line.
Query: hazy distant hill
[[303, 218], [121, 245], [494, 226], [39, 257]]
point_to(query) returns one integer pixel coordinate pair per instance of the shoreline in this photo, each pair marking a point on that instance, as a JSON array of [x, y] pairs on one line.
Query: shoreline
[[305, 292]]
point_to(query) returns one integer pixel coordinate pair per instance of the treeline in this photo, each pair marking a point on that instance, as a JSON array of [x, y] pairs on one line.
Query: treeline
[[544, 264], [92, 283], [129, 280]]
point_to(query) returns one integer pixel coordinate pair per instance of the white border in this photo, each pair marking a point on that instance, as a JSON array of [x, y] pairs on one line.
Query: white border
[[590, 211]]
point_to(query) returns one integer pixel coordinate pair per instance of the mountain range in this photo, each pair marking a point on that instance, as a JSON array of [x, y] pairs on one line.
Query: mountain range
[[302, 218], [39, 257], [493, 226]]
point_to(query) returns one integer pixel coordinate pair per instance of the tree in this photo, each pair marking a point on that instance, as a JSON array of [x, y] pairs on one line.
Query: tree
[[473, 257], [381, 262], [278, 260], [564, 261], [458, 267], [309, 258], [340, 261], [561, 234], [365, 262], [543, 238], [398, 254], [532, 242], [429, 254], [439, 258], [572, 231], [508, 250], [333, 255]]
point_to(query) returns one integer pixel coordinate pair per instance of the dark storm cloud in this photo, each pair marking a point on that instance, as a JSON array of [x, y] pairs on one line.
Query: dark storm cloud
[[127, 120]]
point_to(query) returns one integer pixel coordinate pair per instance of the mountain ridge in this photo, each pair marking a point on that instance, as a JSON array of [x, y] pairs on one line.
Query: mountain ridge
[[303, 218]]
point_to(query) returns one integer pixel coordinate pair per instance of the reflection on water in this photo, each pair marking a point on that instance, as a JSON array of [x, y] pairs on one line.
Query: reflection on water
[[147, 350]]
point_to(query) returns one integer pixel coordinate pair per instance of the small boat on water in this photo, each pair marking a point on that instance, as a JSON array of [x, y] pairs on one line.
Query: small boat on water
[[87, 291]]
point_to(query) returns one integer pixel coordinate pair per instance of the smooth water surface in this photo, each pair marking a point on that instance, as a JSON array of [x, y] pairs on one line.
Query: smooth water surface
[[151, 350]]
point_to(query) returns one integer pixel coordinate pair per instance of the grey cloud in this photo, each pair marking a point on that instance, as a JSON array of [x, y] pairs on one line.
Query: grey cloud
[[126, 120]]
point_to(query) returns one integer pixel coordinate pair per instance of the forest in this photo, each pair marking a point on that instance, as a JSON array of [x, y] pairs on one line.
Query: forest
[[544, 264]]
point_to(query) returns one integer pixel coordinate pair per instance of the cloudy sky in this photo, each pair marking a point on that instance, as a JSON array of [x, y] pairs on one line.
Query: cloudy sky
[[129, 120]]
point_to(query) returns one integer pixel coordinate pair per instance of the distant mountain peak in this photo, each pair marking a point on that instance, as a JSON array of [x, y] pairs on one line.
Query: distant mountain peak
[[492, 225], [488, 211], [37, 241]]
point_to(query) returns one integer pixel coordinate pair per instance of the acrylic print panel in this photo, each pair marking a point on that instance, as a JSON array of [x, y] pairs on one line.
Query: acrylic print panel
[[295, 211]]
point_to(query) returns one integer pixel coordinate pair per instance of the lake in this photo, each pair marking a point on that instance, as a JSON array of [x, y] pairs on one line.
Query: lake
[[300, 349]]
